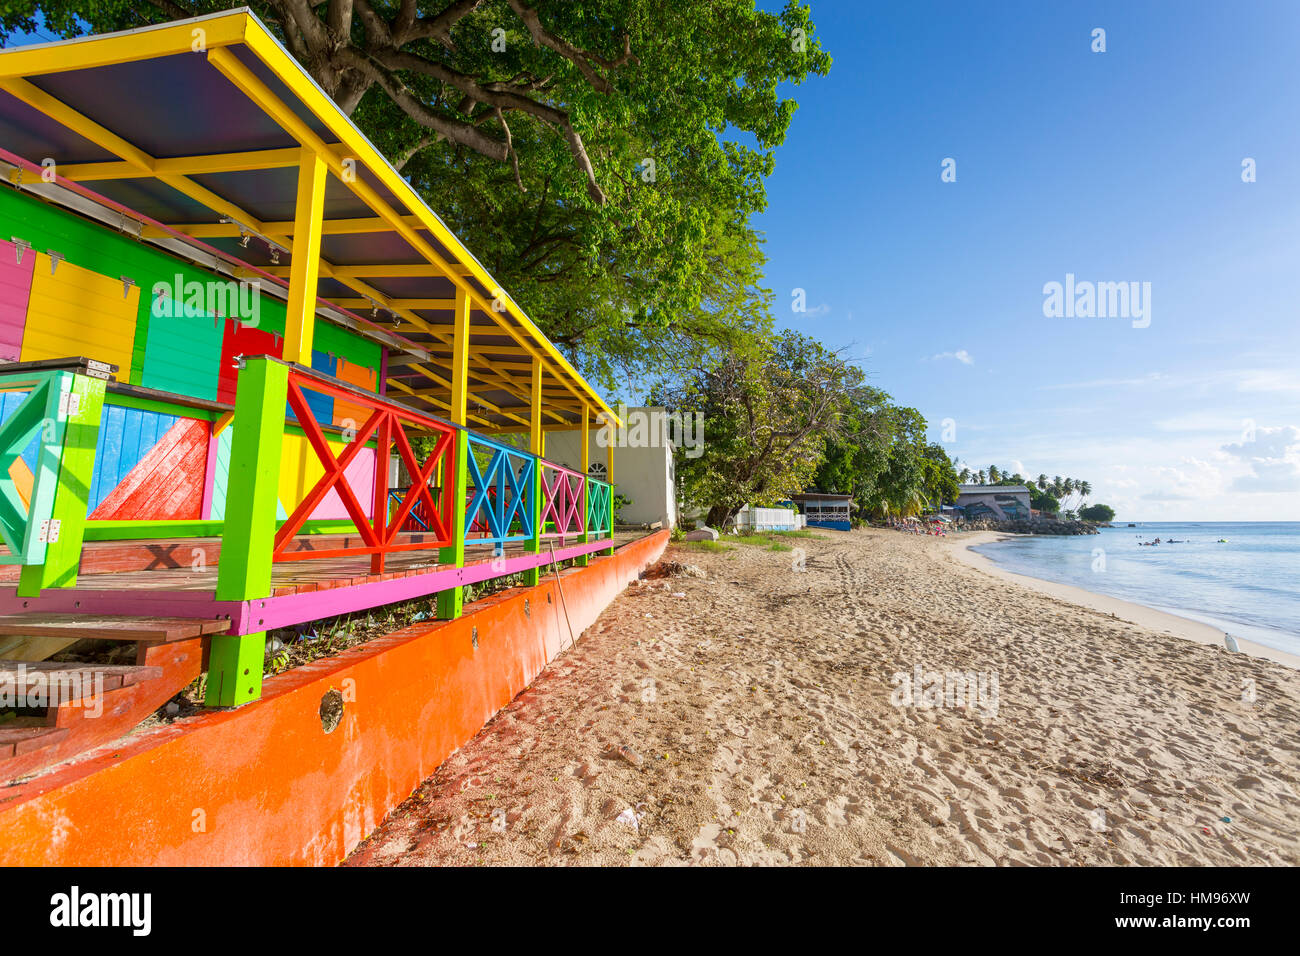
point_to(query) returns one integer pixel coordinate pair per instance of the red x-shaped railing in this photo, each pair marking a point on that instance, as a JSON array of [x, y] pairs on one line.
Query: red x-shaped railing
[[386, 423]]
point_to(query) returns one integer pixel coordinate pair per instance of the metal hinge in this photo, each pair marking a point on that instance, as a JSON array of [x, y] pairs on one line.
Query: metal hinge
[[69, 404], [48, 532]]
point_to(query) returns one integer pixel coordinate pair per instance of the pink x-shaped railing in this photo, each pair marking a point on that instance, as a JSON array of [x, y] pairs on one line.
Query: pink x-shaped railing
[[564, 501]]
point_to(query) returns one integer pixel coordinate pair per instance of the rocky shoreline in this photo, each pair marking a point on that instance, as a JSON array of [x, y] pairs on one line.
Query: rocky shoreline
[[1031, 526]]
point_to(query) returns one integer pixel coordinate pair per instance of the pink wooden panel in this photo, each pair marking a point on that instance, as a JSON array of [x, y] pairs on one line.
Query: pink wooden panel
[[360, 476], [15, 290]]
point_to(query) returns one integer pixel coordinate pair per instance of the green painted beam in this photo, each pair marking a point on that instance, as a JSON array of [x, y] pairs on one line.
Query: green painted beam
[[165, 408], [235, 669], [244, 571], [451, 603], [72, 493], [533, 576]]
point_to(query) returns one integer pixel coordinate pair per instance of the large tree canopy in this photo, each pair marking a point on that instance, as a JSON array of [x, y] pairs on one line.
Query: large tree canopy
[[599, 156], [767, 411]]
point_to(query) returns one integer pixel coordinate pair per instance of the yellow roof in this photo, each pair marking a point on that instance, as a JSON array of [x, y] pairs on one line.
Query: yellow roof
[[199, 125]]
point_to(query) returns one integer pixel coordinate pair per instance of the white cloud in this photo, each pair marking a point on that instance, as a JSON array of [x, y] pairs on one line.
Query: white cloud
[[961, 355], [1271, 381], [1273, 456]]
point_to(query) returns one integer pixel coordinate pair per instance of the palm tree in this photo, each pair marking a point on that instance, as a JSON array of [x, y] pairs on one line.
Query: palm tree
[[964, 476], [1084, 489], [1058, 487], [979, 475], [1042, 482], [994, 474]]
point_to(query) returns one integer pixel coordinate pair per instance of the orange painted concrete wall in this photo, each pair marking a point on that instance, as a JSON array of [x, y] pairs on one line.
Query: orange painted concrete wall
[[265, 785]]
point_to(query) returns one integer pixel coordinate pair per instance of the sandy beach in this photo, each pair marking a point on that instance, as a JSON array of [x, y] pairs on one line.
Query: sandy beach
[[762, 715]]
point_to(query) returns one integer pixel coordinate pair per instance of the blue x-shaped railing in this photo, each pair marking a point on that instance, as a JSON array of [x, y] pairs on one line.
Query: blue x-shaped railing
[[501, 504]]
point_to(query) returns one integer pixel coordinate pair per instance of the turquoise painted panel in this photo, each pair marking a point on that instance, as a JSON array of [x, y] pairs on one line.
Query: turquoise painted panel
[[221, 477], [182, 350], [221, 473]]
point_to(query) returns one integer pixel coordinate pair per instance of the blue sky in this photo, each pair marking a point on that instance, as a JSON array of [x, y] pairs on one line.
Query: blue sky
[[1122, 166]]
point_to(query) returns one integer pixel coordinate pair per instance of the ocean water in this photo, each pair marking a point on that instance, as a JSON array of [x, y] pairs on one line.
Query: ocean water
[[1248, 586]]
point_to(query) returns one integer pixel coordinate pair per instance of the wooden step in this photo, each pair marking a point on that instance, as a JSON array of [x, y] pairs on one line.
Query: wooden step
[[73, 681], [23, 740], [148, 630], [131, 695]]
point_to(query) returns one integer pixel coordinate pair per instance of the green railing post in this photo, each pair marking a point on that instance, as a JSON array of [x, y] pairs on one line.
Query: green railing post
[[451, 602], [83, 408], [533, 576], [610, 492], [583, 560], [244, 570]]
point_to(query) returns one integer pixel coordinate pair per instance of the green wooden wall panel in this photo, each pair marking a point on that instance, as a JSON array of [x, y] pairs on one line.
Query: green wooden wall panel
[[343, 344]]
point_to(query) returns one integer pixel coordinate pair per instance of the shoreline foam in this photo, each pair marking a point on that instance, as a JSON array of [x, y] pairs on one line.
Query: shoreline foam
[[961, 548]]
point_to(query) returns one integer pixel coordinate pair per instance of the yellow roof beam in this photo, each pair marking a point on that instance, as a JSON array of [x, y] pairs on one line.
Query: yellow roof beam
[[445, 406], [439, 304], [420, 270], [431, 394], [376, 299], [329, 227], [184, 166], [488, 378], [110, 49]]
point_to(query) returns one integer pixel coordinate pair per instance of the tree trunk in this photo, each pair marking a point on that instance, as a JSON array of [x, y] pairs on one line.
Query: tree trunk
[[718, 516]]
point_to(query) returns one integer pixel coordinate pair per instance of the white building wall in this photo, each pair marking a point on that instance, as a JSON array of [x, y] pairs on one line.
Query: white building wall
[[647, 475], [768, 519]]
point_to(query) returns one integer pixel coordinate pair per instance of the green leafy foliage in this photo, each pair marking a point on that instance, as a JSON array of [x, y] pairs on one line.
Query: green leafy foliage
[[1097, 513], [768, 412]]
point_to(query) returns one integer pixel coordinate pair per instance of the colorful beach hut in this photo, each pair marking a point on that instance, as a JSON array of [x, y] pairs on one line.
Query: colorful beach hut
[[252, 379]]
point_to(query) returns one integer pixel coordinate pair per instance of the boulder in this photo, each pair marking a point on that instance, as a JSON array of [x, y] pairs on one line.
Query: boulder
[[702, 533]]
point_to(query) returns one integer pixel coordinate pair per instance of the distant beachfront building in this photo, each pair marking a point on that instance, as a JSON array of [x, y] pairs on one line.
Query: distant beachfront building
[[825, 511], [994, 502]]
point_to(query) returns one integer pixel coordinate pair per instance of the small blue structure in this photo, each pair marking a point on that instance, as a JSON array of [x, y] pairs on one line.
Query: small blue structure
[[824, 510]]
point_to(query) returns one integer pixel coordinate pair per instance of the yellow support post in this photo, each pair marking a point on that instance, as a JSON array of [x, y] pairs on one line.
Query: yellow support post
[[451, 603], [537, 446], [585, 440], [304, 270]]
